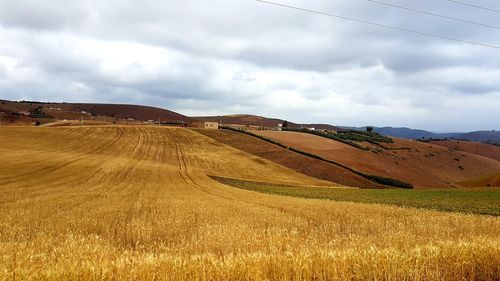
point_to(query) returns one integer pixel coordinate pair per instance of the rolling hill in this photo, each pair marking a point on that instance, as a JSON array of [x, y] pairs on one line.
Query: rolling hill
[[421, 164], [254, 120], [72, 111], [486, 150], [9, 113], [303, 164], [139, 203]]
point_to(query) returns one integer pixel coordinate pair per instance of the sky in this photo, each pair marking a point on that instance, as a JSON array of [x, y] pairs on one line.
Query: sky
[[217, 57]]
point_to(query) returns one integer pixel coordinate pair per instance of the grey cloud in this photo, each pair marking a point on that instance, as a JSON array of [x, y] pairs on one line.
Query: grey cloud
[[242, 56], [42, 15], [472, 88]]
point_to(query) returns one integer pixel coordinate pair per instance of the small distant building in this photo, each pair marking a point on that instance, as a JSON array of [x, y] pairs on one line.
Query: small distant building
[[211, 125], [238, 126], [280, 127], [25, 113], [130, 119]]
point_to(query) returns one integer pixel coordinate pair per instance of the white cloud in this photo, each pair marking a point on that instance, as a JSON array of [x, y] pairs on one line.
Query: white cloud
[[241, 56]]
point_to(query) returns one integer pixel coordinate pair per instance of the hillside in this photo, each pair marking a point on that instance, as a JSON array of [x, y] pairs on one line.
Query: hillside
[[295, 161], [421, 164], [73, 111], [138, 203], [253, 120], [487, 150]]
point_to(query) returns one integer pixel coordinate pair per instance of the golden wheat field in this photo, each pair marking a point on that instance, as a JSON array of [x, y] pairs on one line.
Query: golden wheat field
[[135, 203]]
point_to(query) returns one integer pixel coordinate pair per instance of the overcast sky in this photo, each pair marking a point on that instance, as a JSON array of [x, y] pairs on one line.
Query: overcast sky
[[216, 57]]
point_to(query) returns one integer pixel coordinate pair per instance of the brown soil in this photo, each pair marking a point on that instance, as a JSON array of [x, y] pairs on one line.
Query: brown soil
[[295, 161], [486, 181], [422, 164], [120, 111], [72, 111], [482, 149]]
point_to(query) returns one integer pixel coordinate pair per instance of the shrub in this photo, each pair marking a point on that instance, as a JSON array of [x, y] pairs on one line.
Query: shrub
[[389, 181], [38, 113]]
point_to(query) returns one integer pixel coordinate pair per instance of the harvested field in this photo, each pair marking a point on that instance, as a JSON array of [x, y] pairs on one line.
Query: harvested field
[[70, 123], [422, 164], [295, 161], [135, 203], [486, 150]]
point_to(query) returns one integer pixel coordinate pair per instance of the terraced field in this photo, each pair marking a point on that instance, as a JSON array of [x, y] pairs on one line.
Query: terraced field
[[135, 203]]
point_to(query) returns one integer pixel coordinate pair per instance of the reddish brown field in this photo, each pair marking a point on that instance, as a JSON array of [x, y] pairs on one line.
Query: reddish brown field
[[422, 164], [72, 111], [482, 149], [295, 161], [137, 112]]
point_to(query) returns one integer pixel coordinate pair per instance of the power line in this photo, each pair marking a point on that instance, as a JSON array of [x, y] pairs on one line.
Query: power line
[[381, 25], [475, 6], [433, 14]]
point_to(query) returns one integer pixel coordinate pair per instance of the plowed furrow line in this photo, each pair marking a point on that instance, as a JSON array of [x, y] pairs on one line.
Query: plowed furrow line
[[180, 161]]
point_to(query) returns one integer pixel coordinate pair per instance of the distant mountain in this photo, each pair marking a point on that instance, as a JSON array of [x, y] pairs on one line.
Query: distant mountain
[[407, 133], [404, 133], [482, 136]]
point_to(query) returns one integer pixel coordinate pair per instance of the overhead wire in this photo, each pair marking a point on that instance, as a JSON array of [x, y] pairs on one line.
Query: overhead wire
[[433, 14], [475, 6], [380, 25]]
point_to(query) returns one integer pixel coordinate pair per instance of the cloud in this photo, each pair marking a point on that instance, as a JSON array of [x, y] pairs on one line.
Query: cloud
[[222, 57], [42, 15], [3, 71]]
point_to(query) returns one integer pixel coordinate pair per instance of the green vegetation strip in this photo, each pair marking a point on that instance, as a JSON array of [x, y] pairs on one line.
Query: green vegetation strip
[[473, 201], [377, 179]]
